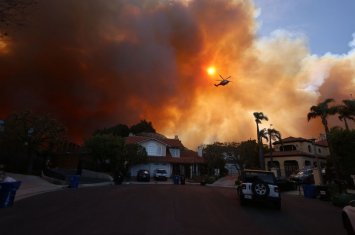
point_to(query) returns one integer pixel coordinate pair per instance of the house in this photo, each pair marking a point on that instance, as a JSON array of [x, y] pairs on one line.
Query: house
[[168, 154], [291, 154]]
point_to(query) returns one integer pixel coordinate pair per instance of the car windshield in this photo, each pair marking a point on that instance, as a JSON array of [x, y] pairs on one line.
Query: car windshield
[[161, 171], [263, 176]]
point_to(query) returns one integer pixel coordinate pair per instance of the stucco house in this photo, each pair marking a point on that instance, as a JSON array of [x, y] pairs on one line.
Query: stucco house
[[291, 154], [168, 154]]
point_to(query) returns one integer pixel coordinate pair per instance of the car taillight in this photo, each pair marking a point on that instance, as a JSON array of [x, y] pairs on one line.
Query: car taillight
[[244, 186]]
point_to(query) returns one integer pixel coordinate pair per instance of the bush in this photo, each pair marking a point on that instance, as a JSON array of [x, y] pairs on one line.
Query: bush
[[342, 199]]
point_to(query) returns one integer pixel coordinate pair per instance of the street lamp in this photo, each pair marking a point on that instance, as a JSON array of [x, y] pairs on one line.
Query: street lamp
[[317, 160]]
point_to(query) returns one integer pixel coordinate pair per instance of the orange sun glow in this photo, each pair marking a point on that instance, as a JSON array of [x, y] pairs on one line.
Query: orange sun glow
[[211, 70]]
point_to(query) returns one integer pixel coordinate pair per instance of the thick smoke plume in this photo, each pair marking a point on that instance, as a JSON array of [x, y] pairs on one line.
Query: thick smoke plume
[[94, 64]]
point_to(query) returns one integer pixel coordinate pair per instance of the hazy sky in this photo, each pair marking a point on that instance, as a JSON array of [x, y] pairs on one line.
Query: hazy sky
[[94, 64], [327, 24]]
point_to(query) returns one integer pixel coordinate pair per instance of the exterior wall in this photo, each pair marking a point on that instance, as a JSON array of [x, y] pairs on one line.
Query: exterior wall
[[306, 147], [324, 151], [301, 161], [154, 148], [151, 167]]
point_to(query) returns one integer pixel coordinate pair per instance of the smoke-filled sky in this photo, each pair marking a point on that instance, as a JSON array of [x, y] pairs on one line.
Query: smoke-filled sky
[[94, 64]]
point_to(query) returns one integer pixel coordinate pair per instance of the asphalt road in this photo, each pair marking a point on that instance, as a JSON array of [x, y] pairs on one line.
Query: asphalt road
[[164, 209]]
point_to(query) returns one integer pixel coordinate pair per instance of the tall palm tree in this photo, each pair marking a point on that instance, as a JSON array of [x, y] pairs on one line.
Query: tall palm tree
[[322, 110], [346, 112], [259, 116], [270, 134]]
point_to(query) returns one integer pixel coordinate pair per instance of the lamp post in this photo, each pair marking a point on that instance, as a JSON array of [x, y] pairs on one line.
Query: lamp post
[[317, 161]]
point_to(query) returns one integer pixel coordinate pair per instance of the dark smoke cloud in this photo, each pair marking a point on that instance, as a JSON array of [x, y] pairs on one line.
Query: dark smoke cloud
[[94, 64]]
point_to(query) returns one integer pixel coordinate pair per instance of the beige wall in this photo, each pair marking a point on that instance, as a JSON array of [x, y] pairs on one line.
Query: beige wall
[[299, 159]]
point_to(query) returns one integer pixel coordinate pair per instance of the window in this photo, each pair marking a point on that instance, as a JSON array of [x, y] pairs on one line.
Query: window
[[288, 148], [309, 149], [175, 152], [319, 151], [150, 150]]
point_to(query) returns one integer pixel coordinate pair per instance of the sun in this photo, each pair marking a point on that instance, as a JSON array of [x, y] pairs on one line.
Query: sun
[[211, 70]]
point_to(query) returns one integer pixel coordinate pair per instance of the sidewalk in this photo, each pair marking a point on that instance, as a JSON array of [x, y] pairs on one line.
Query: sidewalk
[[32, 185], [227, 181]]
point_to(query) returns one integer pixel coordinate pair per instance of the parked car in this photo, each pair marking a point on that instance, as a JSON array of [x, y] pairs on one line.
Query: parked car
[[160, 174], [143, 175], [304, 176], [258, 185], [348, 216]]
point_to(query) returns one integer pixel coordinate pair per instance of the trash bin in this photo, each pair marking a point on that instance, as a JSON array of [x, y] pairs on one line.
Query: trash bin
[[324, 193], [8, 193], [74, 181], [182, 180], [176, 179], [309, 191]]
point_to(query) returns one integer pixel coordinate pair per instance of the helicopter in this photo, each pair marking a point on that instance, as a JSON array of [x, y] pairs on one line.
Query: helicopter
[[223, 81]]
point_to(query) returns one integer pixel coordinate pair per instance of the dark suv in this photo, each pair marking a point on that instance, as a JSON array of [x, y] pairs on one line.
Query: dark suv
[[258, 185], [143, 175]]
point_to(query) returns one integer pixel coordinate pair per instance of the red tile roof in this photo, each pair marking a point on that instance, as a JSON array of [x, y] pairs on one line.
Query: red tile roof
[[173, 143], [180, 160], [292, 154], [291, 139], [323, 143]]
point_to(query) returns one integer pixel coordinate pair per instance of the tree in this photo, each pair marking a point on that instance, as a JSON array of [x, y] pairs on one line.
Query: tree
[[259, 116], [344, 148], [31, 135], [107, 151], [118, 130], [215, 155], [323, 110], [244, 155], [142, 126], [12, 12], [247, 154], [346, 112], [134, 154], [270, 134]]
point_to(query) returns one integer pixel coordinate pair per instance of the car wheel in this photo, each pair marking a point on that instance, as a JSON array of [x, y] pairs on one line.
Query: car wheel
[[347, 224], [260, 189]]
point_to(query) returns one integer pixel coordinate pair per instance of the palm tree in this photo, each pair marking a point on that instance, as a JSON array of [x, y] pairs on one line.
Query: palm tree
[[346, 112], [322, 110], [259, 116], [270, 134]]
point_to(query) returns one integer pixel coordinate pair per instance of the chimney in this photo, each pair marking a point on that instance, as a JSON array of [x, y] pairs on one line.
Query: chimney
[[176, 137]]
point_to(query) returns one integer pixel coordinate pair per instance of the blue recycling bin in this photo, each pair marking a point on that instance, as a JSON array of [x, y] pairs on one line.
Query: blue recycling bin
[[74, 181], [176, 179], [8, 193], [310, 191]]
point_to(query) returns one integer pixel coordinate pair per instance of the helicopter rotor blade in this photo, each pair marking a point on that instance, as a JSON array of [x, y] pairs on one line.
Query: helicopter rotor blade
[[228, 77], [221, 76]]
